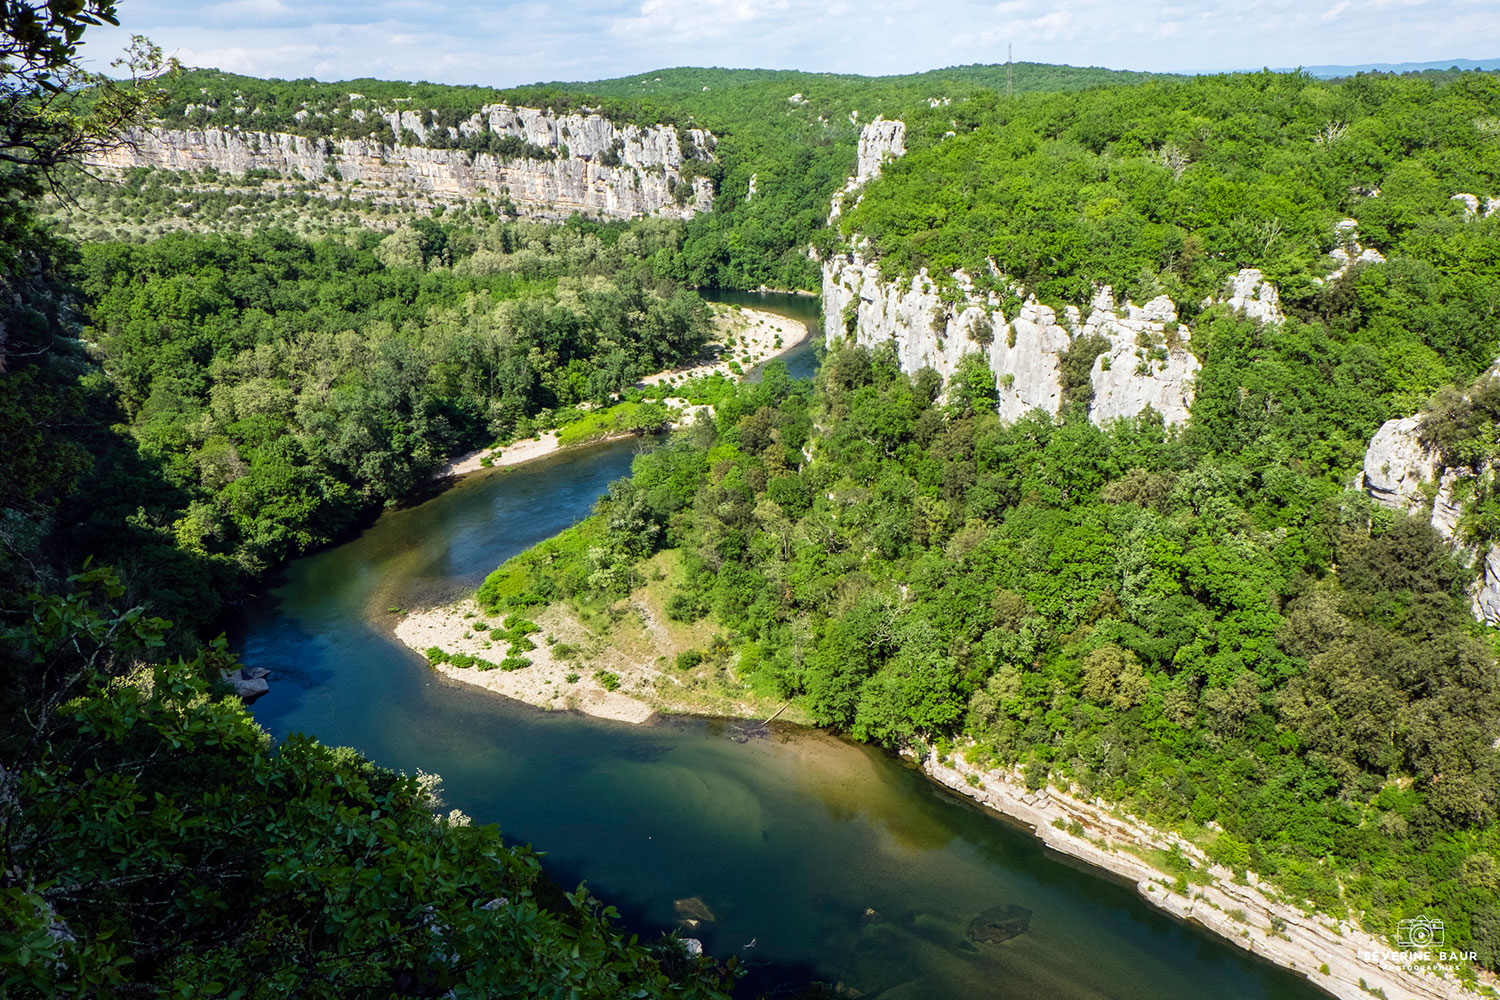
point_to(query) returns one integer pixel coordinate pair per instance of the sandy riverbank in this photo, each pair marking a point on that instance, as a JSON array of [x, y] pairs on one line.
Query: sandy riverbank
[[742, 337], [625, 671], [557, 678], [1333, 954], [633, 642]]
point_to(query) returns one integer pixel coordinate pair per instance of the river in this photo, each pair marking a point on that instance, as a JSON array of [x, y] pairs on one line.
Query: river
[[837, 861]]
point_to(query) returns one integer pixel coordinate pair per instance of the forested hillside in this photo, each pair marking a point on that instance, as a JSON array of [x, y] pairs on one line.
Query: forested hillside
[[1172, 185], [252, 395], [1205, 638], [795, 133], [279, 389], [1205, 624]]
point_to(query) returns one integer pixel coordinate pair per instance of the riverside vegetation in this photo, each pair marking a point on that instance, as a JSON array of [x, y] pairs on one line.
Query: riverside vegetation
[[157, 842], [1204, 624]]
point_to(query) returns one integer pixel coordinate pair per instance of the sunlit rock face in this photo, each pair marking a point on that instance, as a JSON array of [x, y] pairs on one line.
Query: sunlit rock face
[[596, 168], [1402, 473], [1142, 356]]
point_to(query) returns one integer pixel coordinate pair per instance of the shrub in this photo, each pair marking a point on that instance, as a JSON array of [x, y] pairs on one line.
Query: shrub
[[684, 607], [521, 626], [607, 680], [689, 658], [436, 655]]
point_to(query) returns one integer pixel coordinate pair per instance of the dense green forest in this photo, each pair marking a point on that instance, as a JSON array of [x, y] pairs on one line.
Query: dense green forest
[[1202, 635], [1204, 623], [157, 843], [278, 389], [1172, 185], [794, 132]]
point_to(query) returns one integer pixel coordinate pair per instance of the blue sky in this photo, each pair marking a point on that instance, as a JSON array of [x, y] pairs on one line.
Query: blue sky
[[502, 44]]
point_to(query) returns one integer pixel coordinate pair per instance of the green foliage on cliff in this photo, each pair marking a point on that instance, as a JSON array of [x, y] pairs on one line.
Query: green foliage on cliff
[[1200, 629], [794, 132], [1463, 427], [1170, 186]]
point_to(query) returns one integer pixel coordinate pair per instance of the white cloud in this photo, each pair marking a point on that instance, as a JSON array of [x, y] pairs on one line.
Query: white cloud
[[505, 43]]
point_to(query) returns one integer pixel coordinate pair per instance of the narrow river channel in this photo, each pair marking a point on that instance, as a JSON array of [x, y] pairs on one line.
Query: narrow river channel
[[836, 861]]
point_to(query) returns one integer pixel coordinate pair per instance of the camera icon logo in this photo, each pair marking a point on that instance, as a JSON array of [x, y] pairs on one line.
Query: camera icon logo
[[1419, 932]]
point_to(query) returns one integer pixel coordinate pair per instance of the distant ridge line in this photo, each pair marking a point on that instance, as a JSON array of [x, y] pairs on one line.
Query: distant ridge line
[[1329, 72]]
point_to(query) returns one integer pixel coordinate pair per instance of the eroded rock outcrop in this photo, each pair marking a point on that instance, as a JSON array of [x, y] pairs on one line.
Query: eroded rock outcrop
[[1250, 294], [879, 142], [596, 168], [1143, 358], [1403, 473], [1471, 204], [1349, 251]]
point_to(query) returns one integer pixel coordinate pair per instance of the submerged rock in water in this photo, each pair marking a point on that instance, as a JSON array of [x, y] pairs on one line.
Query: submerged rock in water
[[693, 908], [248, 688], [1000, 923]]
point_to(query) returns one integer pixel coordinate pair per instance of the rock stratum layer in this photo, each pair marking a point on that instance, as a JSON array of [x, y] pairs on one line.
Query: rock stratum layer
[[595, 168], [1143, 358], [1403, 473], [1334, 955]]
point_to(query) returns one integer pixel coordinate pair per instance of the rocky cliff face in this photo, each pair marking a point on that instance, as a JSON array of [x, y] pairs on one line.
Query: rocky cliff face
[[597, 169], [1402, 473], [1144, 359], [879, 141]]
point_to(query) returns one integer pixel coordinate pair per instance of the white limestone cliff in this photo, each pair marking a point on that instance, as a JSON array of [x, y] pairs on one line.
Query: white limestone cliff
[[1145, 361], [1402, 473], [598, 169], [1472, 209], [1252, 295], [879, 141]]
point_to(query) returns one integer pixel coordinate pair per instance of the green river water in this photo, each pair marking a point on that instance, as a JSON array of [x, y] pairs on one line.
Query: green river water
[[837, 861]]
